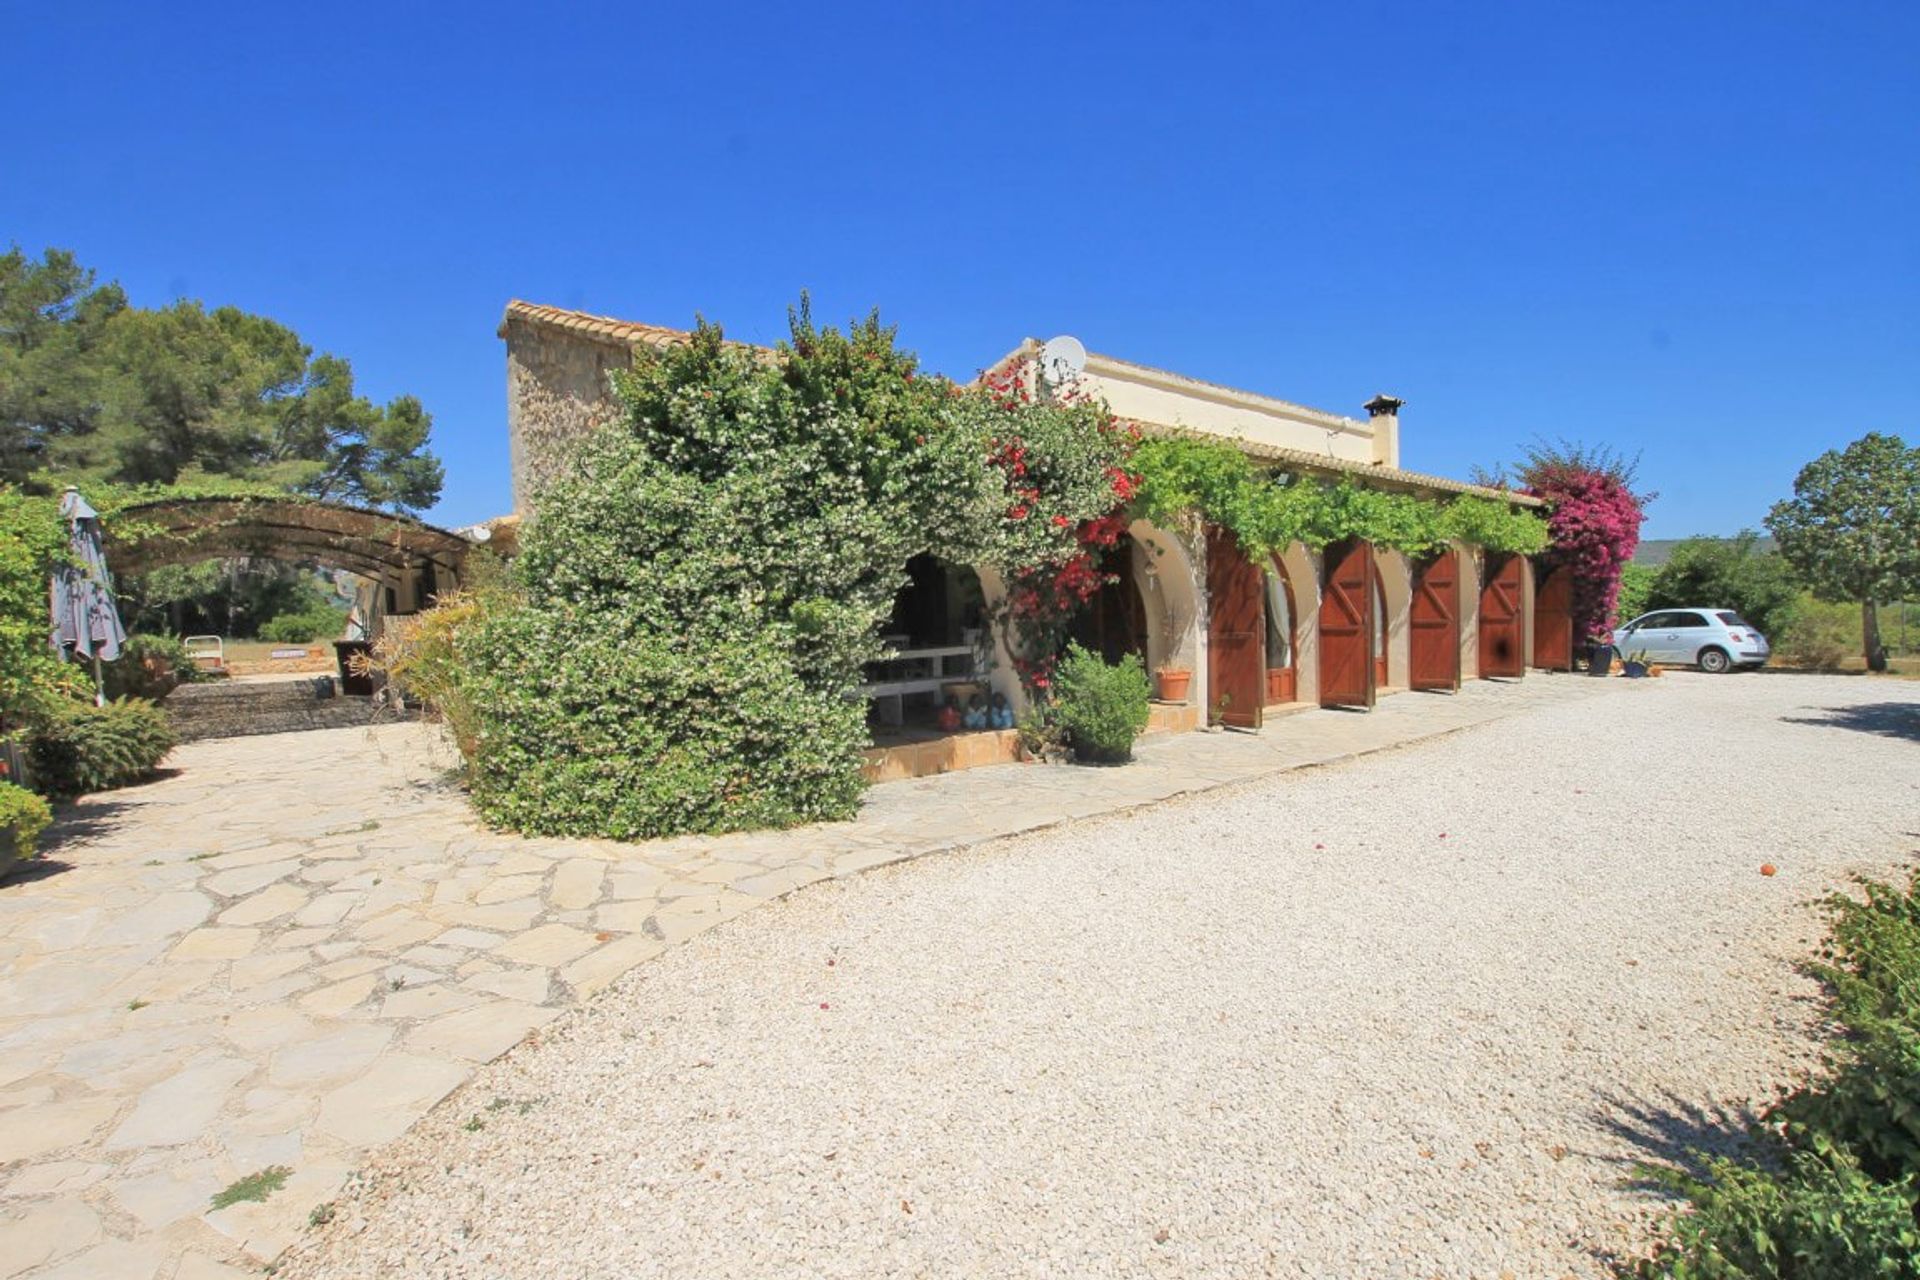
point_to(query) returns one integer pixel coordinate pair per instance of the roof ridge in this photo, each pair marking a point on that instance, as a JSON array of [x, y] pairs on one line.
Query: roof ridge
[[608, 328]]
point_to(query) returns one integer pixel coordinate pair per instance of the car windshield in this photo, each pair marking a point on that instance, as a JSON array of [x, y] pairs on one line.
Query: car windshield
[[1734, 620]]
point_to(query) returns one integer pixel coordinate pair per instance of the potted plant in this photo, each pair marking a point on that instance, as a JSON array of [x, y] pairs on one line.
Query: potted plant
[[1170, 683], [23, 816]]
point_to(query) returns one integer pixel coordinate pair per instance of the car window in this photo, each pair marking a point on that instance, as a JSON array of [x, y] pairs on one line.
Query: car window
[[1655, 620], [1734, 620]]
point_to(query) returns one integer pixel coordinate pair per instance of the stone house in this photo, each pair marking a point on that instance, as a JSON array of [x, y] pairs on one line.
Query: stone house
[[1326, 626]]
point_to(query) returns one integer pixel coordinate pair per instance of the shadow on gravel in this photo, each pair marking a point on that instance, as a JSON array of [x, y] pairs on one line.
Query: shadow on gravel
[[1885, 719], [1674, 1132]]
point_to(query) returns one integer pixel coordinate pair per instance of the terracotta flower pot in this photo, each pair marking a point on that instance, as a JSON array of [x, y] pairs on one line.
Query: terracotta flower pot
[[1170, 684]]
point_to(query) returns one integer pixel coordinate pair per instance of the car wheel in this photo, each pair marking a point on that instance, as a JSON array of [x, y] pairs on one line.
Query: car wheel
[[1715, 661]]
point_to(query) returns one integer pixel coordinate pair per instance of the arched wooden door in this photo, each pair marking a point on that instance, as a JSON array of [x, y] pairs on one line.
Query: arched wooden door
[[1434, 621], [1236, 633], [1346, 626], [1502, 644], [1283, 673], [1553, 621]]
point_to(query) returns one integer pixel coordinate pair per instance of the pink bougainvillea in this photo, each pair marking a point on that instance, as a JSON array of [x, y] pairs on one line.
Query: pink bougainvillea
[[1595, 527]]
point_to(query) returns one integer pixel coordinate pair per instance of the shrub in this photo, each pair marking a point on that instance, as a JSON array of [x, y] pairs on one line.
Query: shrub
[[426, 658], [304, 627], [1835, 1193], [1101, 708], [1729, 573], [32, 540], [77, 747], [583, 730], [1819, 634], [1636, 585], [150, 666], [1816, 1220], [23, 815]]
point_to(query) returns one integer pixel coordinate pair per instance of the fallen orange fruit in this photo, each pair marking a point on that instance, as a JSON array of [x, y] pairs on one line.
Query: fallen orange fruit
[[1767, 868]]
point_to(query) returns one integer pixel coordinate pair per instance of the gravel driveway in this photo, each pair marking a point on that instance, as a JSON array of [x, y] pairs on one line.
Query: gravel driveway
[[1411, 1016]]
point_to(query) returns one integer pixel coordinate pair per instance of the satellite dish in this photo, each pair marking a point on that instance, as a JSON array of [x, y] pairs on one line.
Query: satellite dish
[[1062, 360]]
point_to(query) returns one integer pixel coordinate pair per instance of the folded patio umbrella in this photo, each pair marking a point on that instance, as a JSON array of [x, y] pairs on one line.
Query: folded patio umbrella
[[86, 621]]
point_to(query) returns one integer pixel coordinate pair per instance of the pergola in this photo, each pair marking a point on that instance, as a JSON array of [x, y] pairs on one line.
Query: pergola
[[394, 551]]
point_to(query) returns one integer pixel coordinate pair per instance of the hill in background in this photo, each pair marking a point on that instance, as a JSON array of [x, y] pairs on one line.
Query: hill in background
[[1655, 552]]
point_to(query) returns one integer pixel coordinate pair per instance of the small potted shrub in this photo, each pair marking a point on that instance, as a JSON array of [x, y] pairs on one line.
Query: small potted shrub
[[1100, 708], [23, 816]]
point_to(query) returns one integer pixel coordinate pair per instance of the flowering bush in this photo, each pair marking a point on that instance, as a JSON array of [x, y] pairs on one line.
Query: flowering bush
[[1595, 525], [1064, 464]]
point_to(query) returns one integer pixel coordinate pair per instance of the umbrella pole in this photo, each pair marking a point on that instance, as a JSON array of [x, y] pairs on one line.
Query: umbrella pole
[[99, 684]]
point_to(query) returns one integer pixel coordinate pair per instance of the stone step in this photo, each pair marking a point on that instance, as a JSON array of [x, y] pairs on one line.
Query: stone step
[[231, 709]]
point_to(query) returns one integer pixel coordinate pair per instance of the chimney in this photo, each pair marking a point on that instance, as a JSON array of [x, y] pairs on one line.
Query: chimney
[[1385, 412]]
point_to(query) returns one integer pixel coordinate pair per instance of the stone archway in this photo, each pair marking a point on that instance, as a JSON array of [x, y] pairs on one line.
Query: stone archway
[[1170, 592]]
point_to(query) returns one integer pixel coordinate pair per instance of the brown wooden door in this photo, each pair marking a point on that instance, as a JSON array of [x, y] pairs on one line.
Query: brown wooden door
[[1553, 621], [1236, 633], [1346, 626], [1434, 621], [1502, 649]]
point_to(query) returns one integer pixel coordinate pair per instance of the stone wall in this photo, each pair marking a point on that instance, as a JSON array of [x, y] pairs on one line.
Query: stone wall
[[557, 393]]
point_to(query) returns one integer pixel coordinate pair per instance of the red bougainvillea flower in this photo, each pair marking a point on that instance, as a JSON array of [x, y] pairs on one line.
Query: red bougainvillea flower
[[1017, 513], [1059, 522]]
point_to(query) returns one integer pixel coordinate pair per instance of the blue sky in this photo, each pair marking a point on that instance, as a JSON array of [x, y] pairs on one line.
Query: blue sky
[[1686, 230]]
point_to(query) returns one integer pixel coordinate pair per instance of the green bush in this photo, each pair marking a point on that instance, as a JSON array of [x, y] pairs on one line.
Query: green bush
[[150, 666], [1101, 708], [304, 627], [1819, 634], [1729, 573], [1814, 1220], [77, 747], [23, 816], [1834, 1193], [32, 540], [1636, 585], [585, 730]]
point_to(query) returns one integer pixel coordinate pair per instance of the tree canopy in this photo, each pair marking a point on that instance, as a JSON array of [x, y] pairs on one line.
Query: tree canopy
[[1736, 573], [1852, 528], [93, 388]]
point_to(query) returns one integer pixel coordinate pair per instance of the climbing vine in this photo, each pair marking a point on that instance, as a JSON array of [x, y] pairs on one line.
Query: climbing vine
[[1179, 478]]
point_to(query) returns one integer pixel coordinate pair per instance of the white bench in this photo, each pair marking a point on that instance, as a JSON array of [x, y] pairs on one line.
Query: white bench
[[888, 693]]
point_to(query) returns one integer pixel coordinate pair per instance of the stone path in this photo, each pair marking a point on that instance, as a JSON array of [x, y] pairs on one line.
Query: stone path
[[289, 950]]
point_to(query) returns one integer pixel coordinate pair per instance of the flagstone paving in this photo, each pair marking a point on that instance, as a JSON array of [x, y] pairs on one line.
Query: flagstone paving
[[292, 947]]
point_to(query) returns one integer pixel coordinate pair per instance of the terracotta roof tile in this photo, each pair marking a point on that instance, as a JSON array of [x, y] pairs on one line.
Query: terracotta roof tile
[[592, 326]]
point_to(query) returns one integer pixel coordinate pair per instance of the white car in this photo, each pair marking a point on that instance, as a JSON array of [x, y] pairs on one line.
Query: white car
[[1715, 640]]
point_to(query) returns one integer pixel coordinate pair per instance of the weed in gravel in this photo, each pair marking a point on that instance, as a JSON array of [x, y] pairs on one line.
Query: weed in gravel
[[255, 1186]]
